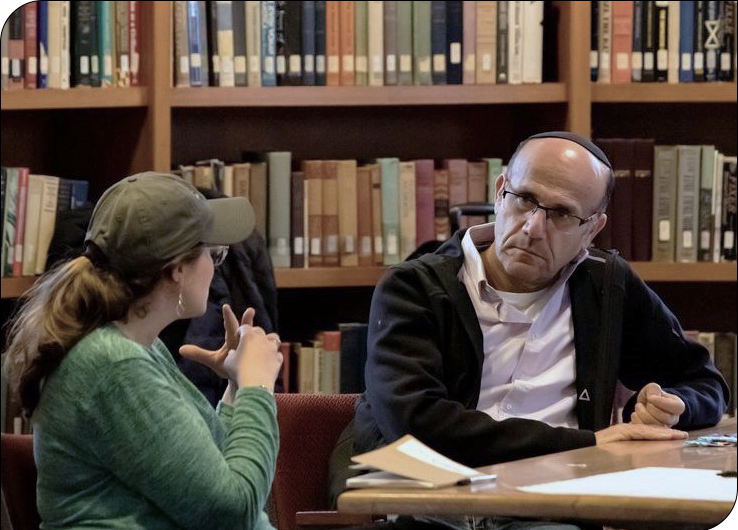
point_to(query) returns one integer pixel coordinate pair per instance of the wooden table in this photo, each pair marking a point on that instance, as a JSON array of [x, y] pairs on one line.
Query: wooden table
[[503, 498]]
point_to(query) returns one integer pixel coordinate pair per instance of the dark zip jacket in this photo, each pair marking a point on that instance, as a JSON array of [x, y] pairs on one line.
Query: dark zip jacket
[[423, 371]]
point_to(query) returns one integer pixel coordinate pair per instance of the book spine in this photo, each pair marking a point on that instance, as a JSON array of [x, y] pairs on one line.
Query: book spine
[[347, 35], [730, 210], [502, 42], [332, 45], [224, 38], [330, 214], [253, 43], [661, 67], [515, 43], [361, 43], [422, 74], [20, 221], [717, 207], [687, 209], [424, 202], [320, 60], [469, 45], [293, 43], [47, 221], [622, 41], [104, 43], [134, 27], [195, 57], [438, 38], [673, 52], [122, 43], [15, 28], [353, 356], [664, 202], [268, 43], [604, 43], [364, 220], [33, 215], [476, 188], [211, 15], [726, 71], [278, 163], [594, 53], [440, 201], [181, 44], [642, 198], [532, 54], [307, 44], [375, 174], [375, 42], [648, 72], [297, 217], [389, 25], [390, 171], [408, 209], [707, 179], [313, 170], [347, 213], [240, 68], [454, 40], [486, 43], [636, 58], [30, 44], [712, 39], [10, 218], [686, 42], [405, 43]]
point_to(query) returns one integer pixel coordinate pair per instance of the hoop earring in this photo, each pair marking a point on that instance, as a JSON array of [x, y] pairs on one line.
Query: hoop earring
[[181, 308]]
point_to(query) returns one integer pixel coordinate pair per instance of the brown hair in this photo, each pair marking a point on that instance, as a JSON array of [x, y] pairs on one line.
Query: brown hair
[[64, 305]]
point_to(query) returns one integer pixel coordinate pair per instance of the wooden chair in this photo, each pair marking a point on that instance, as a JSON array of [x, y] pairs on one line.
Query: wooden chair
[[19, 481], [309, 426]]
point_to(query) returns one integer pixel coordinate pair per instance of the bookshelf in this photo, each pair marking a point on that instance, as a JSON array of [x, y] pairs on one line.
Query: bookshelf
[[104, 134]]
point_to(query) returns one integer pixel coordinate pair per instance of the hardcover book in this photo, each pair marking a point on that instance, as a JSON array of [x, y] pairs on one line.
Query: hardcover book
[[405, 43], [642, 198], [422, 74], [688, 201], [664, 202], [454, 41], [375, 43], [469, 44], [622, 41], [486, 43], [279, 168], [347, 35], [390, 171], [390, 35], [313, 170], [348, 230], [424, 201], [330, 214], [297, 219], [707, 179], [364, 220], [438, 42], [408, 211]]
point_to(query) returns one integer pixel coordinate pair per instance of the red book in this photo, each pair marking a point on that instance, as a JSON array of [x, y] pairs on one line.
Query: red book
[[622, 41], [20, 221], [31, 43], [642, 198]]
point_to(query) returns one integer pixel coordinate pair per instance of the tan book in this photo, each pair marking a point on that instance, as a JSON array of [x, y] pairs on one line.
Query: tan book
[[181, 45], [241, 179], [477, 190], [457, 180], [330, 363], [440, 196], [364, 221], [408, 213], [469, 46], [306, 370], [47, 220], [226, 183], [486, 43], [332, 44], [258, 195], [203, 177], [33, 213], [348, 230], [375, 39], [346, 44], [313, 170], [329, 225], [375, 175]]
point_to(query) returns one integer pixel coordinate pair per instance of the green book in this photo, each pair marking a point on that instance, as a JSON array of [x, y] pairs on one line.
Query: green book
[[405, 43], [422, 43], [390, 170], [279, 178], [361, 44]]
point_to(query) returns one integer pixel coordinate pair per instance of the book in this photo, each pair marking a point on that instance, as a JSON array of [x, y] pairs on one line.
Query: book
[[320, 60], [364, 218], [47, 220], [457, 180], [329, 365], [279, 173], [361, 43], [636, 58], [487, 39], [20, 221], [469, 42], [390, 172], [604, 41], [134, 26], [502, 42], [42, 31], [422, 73], [346, 37], [331, 257], [642, 198], [181, 45], [389, 43], [712, 39], [202, 10], [661, 35], [442, 224], [532, 52], [717, 207], [476, 189], [313, 170], [424, 201], [33, 214], [688, 201], [438, 39], [707, 179], [238, 14], [664, 202], [297, 219], [291, 48], [698, 65], [307, 43], [224, 38], [194, 47], [648, 41], [405, 43], [122, 44], [494, 170], [407, 462], [353, 356], [268, 43], [673, 38], [9, 219], [258, 194], [332, 43], [348, 231], [375, 174], [30, 43], [594, 59], [515, 42], [253, 43], [730, 213], [375, 43], [407, 206], [726, 68], [620, 210], [622, 41], [686, 41], [454, 41], [306, 379], [15, 27]]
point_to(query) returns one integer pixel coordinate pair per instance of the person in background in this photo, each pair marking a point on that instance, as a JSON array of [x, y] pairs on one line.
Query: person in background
[[509, 340], [121, 438]]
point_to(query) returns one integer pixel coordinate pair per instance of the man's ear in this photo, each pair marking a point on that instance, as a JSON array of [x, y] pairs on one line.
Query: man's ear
[[498, 186], [597, 227]]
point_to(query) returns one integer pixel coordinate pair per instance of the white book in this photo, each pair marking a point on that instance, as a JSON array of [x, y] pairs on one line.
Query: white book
[[533, 42], [515, 43], [375, 36]]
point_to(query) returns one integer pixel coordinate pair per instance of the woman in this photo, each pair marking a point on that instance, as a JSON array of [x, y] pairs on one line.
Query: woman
[[121, 438]]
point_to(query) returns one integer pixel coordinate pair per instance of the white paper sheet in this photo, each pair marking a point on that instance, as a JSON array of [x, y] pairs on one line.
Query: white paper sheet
[[656, 482]]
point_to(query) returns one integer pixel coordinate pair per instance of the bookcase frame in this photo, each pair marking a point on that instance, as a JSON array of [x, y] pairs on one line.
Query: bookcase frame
[[104, 134]]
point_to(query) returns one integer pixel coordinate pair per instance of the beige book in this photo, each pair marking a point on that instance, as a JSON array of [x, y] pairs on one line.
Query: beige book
[[375, 175], [330, 214], [241, 180], [47, 220], [486, 50], [313, 170], [33, 213], [348, 231], [408, 212]]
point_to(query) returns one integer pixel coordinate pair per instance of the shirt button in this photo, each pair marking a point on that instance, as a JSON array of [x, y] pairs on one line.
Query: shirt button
[[508, 407]]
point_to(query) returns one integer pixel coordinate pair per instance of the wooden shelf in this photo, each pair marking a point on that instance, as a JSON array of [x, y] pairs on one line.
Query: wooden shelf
[[305, 96], [369, 276], [75, 98], [664, 93]]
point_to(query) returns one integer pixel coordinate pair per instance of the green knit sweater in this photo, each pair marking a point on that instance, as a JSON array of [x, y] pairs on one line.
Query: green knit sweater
[[123, 440]]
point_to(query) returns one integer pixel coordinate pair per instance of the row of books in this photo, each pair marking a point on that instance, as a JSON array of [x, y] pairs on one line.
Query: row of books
[[332, 363], [357, 43], [723, 353], [62, 44], [347, 213], [30, 206], [670, 203], [675, 42]]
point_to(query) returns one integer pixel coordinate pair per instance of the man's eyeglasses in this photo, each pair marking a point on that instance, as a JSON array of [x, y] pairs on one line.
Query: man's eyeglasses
[[564, 222], [218, 253]]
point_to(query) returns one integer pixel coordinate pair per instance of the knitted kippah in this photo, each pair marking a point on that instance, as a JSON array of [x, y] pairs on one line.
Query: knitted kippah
[[584, 142]]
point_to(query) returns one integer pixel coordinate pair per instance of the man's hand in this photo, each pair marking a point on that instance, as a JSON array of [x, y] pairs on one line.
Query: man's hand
[[216, 359], [630, 431], [656, 407]]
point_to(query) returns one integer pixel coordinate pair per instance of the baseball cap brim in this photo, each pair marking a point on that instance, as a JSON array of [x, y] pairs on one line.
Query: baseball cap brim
[[233, 221]]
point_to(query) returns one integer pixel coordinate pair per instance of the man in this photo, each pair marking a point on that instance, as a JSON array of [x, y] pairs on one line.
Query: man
[[508, 341]]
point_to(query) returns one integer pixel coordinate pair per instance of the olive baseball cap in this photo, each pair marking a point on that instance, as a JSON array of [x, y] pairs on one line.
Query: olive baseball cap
[[145, 220]]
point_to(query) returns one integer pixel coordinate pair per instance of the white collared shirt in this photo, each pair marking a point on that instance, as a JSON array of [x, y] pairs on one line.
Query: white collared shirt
[[529, 368]]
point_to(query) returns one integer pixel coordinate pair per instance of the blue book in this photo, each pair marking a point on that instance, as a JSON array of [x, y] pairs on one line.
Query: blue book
[[42, 33], [80, 193], [686, 41], [193, 24], [308, 43], [454, 37], [438, 42], [268, 43], [390, 171], [320, 43]]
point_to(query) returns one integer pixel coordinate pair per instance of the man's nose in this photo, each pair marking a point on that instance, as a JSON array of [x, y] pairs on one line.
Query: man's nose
[[536, 223]]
